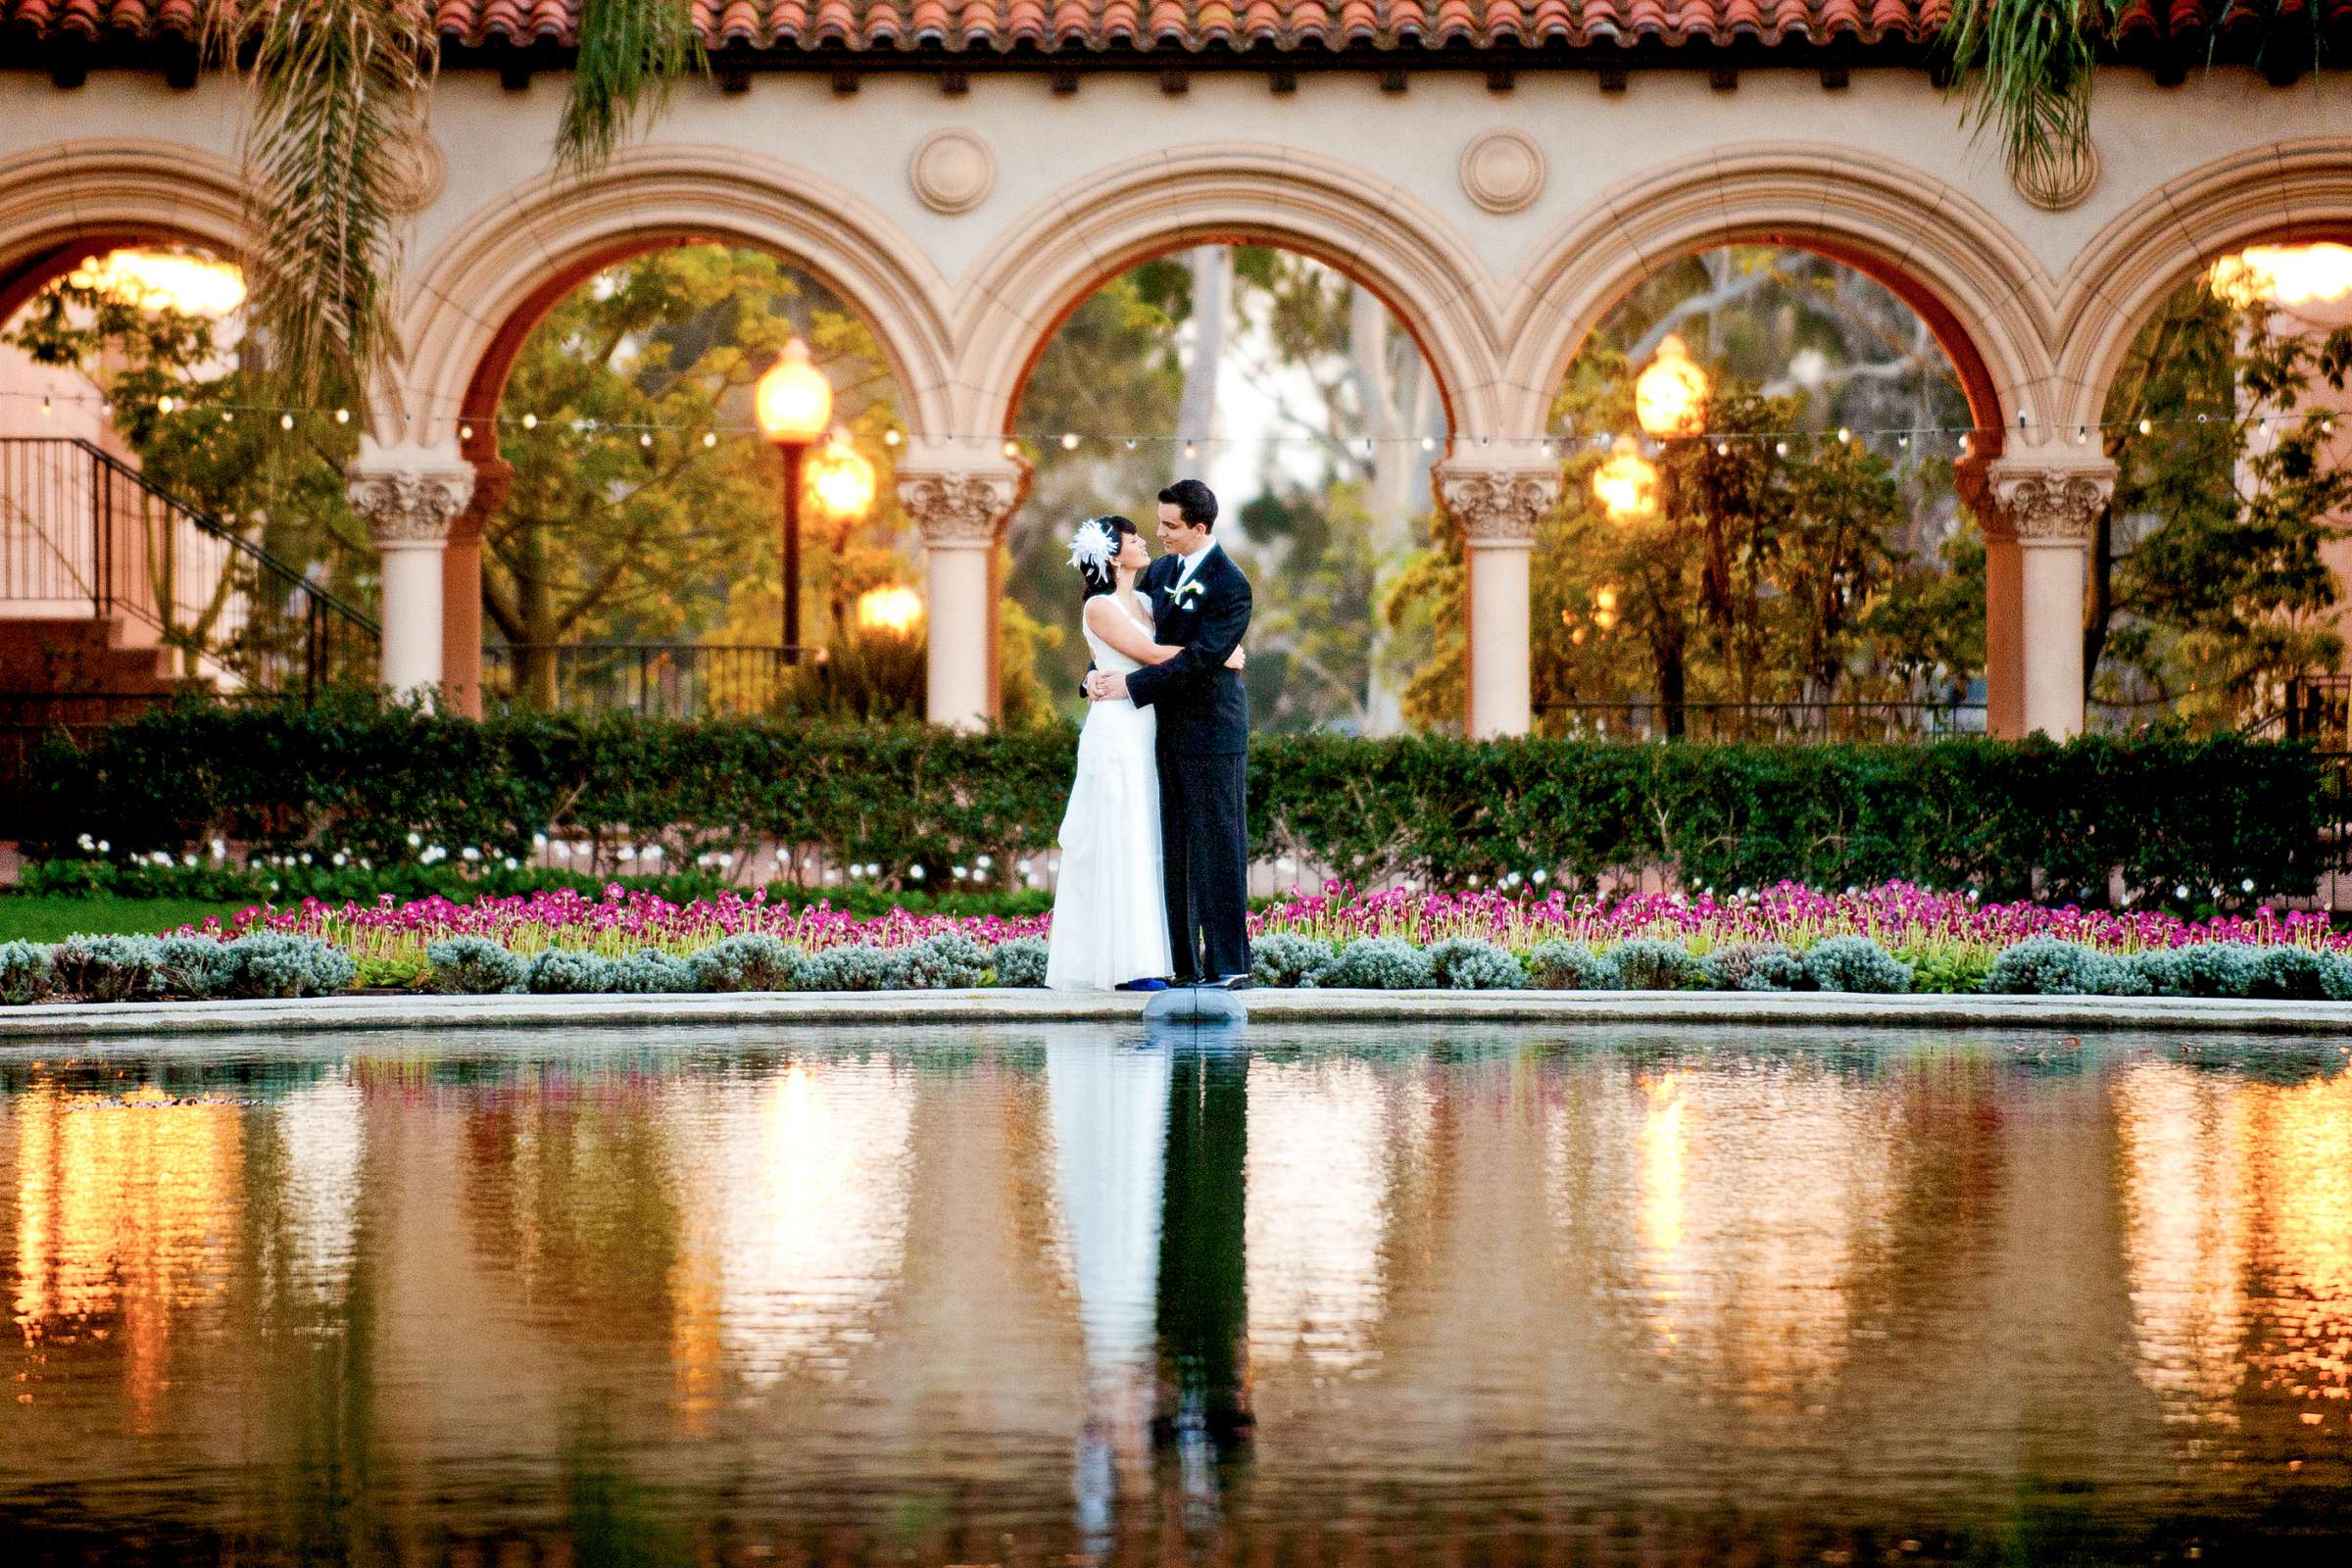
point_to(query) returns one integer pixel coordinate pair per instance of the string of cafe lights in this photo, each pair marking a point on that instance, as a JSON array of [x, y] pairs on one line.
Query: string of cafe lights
[[1561, 445]]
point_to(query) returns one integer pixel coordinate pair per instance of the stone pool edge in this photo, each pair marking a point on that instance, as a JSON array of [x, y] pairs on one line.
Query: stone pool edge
[[48, 1023]]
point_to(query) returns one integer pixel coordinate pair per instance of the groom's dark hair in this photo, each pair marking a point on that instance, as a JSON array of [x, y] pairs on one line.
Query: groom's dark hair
[[1195, 502]]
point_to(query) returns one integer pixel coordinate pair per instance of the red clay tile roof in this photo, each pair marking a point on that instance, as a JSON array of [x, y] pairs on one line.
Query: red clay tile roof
[[1098, 27]]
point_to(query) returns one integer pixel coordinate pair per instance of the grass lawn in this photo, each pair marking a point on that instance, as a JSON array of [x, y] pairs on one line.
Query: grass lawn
[[46, 920]]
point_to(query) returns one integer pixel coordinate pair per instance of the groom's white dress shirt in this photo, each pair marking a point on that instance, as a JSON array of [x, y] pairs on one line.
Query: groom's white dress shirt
[[1191, 565]]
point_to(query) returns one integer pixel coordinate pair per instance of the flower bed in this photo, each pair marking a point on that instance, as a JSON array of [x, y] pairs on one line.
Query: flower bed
[[1887, 938]]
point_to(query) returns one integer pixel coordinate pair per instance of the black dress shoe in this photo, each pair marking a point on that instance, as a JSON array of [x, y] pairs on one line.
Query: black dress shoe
[[1235, 982]]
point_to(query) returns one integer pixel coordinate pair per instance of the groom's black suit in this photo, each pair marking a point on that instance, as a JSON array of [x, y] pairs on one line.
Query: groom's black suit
[[1203, 743]]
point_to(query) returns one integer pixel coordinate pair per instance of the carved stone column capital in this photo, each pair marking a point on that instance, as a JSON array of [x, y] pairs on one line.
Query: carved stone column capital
[[2039, 499], [408, 495], [1497, 506], [962, 507]]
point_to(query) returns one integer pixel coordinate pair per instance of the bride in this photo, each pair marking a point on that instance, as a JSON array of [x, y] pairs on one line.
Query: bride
[[1111, 921]]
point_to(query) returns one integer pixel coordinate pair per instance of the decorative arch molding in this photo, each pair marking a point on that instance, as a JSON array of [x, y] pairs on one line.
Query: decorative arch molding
[[468, 308], [2282, 193], [1047, 264], [1987, 297], [58, 202]]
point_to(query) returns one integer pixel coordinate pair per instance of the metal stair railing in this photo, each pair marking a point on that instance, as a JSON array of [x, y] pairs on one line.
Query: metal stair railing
[[78, 527]]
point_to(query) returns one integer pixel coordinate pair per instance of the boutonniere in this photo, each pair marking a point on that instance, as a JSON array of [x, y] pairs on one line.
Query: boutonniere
[[1182, 591]]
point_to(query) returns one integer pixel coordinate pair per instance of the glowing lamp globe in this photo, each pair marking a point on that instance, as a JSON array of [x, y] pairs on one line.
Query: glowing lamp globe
[[1671, 396], [161, 280], [2284, 274], [894, 608], [795, 400], [840, 481], [1627, 485]]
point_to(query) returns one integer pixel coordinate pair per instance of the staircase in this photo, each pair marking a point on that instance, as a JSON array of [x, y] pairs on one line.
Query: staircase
[[113, 589]]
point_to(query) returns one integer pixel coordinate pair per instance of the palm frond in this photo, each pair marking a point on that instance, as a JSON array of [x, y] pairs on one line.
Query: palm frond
[[626, 56], [2022, 70], [336, 88]]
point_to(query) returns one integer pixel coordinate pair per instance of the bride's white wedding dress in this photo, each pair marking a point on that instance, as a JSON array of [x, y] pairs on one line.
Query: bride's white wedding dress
[[1111, 921]]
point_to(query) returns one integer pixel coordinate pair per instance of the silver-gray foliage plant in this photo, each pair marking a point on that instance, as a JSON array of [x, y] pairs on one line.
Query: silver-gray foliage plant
[[1754, 966], [862, 967], [1020, 963], [1563, 965], [25, 975], [1468, 964], [1379, 963], [2202, 969], [2048, 966], [107, 967], [192, 966], [473, 966], [282, 964], [568, 971], [650, 971], [1652, 963], [948, 961], [751, 961], [1289, 961], [1854, 964]]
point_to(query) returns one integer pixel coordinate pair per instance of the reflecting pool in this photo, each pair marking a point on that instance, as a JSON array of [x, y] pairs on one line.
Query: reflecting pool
[[1067, 1294]]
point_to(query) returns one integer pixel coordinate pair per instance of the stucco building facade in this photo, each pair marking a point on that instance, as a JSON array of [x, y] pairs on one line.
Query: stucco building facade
[[1499, 174]]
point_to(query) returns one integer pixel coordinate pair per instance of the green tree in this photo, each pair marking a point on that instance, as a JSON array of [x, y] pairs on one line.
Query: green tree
[[2208, 589]]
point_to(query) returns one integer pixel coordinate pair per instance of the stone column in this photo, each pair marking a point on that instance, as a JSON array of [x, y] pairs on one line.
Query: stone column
[[2038, 514], [462, 589], [408, 495], [1497, 508], [961, 509]]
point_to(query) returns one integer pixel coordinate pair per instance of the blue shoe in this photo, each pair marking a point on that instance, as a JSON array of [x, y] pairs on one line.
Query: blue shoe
[[1143, 984]]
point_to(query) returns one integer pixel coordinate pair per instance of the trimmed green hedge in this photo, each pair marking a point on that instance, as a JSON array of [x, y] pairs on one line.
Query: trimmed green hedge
[[2011, 819]]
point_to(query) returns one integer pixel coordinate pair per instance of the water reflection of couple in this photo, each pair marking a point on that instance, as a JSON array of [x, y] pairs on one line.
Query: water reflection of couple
[[1161, 1290]]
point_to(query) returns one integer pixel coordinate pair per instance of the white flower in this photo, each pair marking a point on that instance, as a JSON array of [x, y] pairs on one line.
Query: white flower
[[103, 846], [190, 859], [88, 843], [415, 840], [960, 874], [220, 850], [985, 862], [341, 859], [306, 858], [629, 852], [2246, 885], [1540, 876], [916, 872], [512, 864], [470, 853], [1093, 546], [538, 841], [2181, 891]]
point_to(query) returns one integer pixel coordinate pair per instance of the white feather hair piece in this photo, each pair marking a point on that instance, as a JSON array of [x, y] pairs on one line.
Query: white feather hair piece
[[1093, 546]]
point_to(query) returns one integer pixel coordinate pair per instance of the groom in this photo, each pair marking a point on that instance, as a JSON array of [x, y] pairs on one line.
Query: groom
[[1199, 603]]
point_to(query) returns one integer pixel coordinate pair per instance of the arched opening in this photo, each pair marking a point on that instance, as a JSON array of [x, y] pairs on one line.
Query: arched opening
[[1759, 534], [2220, 573], [162, 523], [1304, 400], [627, 548]]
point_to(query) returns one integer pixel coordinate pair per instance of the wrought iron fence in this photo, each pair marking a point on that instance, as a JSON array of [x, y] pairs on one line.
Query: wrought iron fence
[[660, 680], [1651, 719], [85, 536]]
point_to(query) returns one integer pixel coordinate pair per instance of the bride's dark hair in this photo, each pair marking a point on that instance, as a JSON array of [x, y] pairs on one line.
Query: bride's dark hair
[[1108, 578]]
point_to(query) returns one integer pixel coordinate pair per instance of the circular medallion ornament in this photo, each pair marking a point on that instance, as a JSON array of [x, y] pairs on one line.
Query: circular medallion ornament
[[2057, 177], [952, 170], [421, 169], [1502, 171]]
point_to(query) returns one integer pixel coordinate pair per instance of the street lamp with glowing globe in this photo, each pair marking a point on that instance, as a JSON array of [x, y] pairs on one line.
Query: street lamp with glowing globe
[[795, 404], [1670, 397]]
